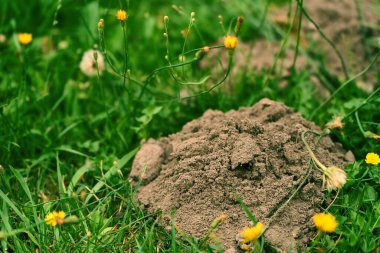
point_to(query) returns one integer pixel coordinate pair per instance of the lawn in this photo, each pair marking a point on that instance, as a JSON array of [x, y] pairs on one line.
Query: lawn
[[84, 83]]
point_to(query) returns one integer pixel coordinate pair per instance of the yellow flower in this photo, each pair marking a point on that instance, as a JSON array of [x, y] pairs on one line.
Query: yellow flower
[[336, 178], [325, 222], [230, 41], [25, 38], [121, 15], [250, 234], [55, 218], [372, 158]]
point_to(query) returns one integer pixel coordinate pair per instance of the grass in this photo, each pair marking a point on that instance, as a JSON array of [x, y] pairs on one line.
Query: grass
[[67, 140]]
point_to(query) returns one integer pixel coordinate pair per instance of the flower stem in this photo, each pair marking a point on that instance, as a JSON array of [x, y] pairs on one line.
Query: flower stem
[[311, 153]]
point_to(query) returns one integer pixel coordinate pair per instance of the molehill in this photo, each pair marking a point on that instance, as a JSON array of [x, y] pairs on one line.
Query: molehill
[[255, 153]]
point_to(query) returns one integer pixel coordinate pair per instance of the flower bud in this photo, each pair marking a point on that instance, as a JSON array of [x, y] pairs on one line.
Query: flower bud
[[239, 22]]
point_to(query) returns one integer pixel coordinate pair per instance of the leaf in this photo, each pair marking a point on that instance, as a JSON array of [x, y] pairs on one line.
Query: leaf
[[246, 210], [369, 134], [370, 194], [75, 179]]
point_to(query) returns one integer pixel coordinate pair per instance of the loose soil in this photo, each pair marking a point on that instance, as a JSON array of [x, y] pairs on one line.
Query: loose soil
[[255, 153]]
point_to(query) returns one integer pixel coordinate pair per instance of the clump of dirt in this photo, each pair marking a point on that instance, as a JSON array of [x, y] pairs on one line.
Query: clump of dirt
[[255, 153]]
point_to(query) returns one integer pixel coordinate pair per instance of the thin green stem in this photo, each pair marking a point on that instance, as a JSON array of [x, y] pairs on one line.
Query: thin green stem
[[298, 35], [283, 44], [363, 103], [311, 153], [345, 84], [344, 68], [359, 124], [125, 56]]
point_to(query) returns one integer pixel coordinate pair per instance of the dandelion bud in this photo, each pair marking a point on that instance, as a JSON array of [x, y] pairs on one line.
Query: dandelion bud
[[166, 19], [202, 52], [3, 39], [369, 134], [101, 24], [181, 58], [165, 35], [336, 178], [239, 22], [83, 195], [192, 15], [218, 220], [71, 219]]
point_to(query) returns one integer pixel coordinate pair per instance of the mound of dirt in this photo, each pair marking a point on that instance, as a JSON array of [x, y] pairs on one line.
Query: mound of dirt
[[255, 153]]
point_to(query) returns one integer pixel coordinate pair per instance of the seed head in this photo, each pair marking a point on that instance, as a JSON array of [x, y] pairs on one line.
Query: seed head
[[101, 24], [336, 178]]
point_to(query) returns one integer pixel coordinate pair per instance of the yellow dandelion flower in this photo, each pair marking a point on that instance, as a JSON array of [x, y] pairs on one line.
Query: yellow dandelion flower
[[230, 42], [250, 234], [325, 222], [54, 218], [372, 158], [25, 38], [121, 15]]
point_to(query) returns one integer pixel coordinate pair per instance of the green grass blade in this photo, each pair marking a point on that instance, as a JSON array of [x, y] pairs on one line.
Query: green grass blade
[[14, 207], [26, 189], [246, 210], [75, 179], [112, 171]]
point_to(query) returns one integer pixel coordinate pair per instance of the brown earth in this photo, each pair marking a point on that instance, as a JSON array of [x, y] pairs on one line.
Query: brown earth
[[255, 153], [339, 20]]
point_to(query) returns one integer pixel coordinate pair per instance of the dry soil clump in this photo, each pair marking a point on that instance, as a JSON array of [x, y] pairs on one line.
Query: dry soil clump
[[255, 153]]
